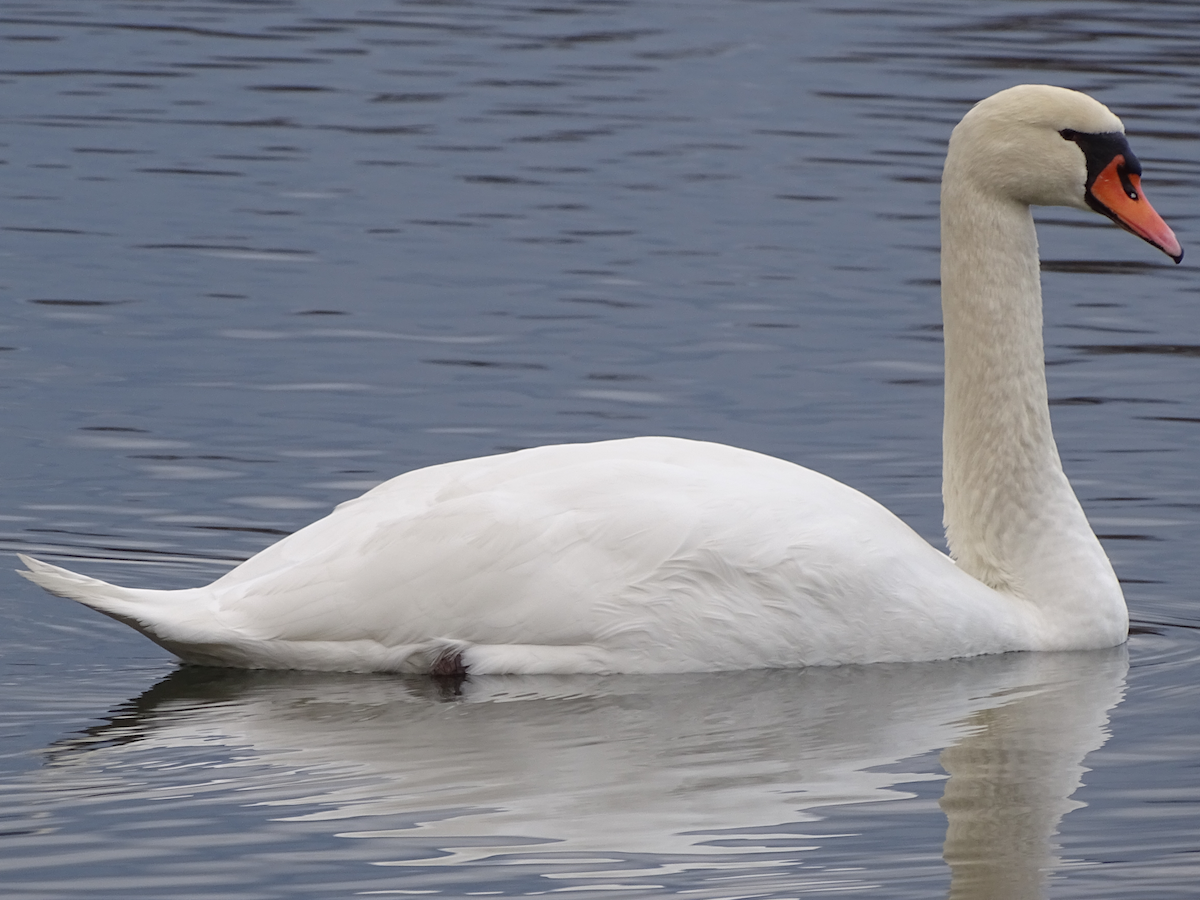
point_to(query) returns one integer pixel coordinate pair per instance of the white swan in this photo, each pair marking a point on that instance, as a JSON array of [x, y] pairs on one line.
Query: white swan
[[664, 555]]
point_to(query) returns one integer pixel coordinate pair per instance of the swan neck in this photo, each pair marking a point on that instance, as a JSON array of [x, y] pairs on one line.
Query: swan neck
[[996, 397], [1012, 519]]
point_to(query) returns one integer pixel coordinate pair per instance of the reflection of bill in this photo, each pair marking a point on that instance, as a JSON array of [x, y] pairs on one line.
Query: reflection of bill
[[696, 772]]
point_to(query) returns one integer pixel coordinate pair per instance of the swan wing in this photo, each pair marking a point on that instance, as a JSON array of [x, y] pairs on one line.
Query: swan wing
[[658, 554]]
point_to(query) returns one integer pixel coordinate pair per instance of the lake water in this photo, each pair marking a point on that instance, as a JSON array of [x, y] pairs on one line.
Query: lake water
[[256, 257]]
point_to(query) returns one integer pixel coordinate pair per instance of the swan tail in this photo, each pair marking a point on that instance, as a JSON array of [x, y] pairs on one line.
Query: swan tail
[[124, 604]]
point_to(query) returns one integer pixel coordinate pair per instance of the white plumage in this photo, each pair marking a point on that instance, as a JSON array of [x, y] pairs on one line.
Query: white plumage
[[664, 555]]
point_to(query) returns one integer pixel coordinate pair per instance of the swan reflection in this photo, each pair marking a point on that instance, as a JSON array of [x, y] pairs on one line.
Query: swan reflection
[[625, 777]]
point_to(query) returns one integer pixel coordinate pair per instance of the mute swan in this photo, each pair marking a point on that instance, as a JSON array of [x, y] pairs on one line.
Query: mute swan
[[657, 554]]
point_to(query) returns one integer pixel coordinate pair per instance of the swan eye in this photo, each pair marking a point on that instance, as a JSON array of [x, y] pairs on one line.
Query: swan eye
[[1127, 183]]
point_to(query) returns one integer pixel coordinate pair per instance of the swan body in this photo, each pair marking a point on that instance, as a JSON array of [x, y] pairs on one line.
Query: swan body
[[658, 554]]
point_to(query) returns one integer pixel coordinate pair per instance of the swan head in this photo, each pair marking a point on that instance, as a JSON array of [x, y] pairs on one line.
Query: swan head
[[1049, 146]]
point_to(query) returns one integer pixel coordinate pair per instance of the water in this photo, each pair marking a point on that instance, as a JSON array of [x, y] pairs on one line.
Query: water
[[258, 257]]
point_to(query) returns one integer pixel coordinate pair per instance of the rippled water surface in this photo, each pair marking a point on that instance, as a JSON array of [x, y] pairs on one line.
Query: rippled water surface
[[256, 257]]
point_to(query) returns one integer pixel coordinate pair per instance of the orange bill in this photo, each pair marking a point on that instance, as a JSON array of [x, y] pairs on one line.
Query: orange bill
[[1119, 192]]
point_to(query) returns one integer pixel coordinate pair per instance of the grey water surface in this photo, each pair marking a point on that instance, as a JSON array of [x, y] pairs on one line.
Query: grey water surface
[[256, 257]]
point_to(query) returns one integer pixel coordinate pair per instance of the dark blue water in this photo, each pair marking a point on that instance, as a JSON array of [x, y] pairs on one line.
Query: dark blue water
[[258, 257]]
